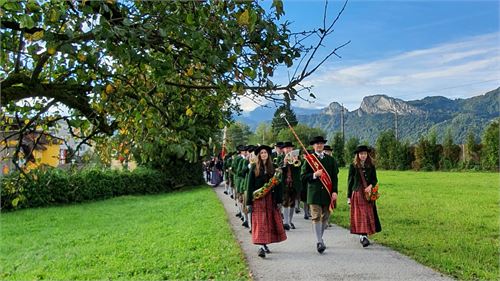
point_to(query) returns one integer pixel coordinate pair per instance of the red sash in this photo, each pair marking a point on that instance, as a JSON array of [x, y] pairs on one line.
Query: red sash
[[325, 179]]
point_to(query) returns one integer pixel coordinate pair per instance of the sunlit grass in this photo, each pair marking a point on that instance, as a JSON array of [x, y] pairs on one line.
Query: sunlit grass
[[181, 235], [448, 221]]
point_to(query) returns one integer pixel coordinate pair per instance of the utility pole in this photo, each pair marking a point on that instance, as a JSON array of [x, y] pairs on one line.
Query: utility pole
[[396, 121], [342, 122]]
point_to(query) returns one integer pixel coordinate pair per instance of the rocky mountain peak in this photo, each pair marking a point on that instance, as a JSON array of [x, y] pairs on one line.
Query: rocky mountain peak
[[385, 104], [333, 108]]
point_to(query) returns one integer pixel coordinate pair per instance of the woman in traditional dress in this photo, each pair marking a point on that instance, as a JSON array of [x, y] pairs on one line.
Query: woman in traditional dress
[[216, 172], [267, 225], [362, 177]]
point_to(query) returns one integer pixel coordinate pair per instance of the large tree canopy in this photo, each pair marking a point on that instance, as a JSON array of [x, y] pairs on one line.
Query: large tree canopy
[[158, 72]]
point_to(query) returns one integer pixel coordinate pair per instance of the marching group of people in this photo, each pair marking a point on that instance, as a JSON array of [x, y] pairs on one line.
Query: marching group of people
[[268, 185]]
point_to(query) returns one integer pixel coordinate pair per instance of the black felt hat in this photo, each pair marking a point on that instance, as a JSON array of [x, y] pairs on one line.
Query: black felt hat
[[362, 148], [251, 148], [258, 149], [287, 144], [317, 140], [279, 144], [327, 147]]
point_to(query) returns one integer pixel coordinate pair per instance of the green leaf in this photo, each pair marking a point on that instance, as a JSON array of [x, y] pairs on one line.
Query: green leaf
[[250, 72], [243, 18], [278, 5], [26, 22], [127, 22], [190, 19], [15, 202]]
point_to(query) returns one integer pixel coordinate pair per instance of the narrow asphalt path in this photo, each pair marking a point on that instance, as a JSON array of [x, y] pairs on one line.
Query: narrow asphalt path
[[344, 258]]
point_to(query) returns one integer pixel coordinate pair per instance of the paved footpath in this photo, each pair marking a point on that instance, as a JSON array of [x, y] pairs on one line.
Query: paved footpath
[[344, 259]]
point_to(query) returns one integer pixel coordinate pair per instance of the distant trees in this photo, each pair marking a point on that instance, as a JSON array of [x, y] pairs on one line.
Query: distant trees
[[338, 148], [263, 135], [428, 155], [471, 151], [451, 152], [490, 147], [278, 122], [349, 149], [386, 150], [393, 154], [304, 133], [238, 133]]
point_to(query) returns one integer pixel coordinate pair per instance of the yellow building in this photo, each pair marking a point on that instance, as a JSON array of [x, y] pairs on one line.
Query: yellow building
[[45, 152]]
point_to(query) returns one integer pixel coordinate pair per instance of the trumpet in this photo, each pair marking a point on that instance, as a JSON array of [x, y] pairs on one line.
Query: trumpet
[[292, 158], [252, 159]]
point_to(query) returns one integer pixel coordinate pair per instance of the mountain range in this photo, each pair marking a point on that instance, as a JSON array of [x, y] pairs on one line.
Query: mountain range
[[378, 113]]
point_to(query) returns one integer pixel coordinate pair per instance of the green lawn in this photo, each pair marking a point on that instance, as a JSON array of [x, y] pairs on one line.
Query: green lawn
[[182, 235], [448, 221]]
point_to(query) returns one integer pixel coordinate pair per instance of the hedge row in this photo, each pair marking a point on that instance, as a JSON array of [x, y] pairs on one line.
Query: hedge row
[[51, 186]]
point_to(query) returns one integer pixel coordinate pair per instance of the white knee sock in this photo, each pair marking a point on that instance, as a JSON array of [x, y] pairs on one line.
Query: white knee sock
[[286, 215], [318, 231]]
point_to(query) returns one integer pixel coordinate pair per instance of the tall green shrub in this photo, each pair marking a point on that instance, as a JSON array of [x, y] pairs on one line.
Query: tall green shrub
[[338, 149], [490, 147]]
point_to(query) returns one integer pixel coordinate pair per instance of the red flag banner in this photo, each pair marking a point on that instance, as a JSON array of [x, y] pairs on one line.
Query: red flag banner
[[325, 179]]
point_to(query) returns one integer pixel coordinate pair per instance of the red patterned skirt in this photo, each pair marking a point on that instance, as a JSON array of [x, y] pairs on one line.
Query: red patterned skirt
[[267, 225], [364, 219]]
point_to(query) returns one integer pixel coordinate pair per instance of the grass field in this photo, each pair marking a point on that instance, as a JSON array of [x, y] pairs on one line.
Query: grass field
[[182, 235], [448, 221]]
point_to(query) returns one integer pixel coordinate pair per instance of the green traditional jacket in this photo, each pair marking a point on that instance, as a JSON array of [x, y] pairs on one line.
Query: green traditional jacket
[[226, 165], [234, 169], [255, 183], [316, 193], [242, 174], [296, 182], [354, 180]]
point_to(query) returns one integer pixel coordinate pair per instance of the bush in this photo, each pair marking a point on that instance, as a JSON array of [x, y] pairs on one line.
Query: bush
[[48, 186]]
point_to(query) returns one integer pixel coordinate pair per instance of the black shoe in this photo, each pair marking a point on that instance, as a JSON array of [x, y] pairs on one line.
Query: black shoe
[[297, 210], [286, 226], [225, 192], [245, 224], [267, 249], [250, 231], [261, 253], [320, 247], [306, 217], [238, 215], [365, 242], [232, 196], [292, 226]]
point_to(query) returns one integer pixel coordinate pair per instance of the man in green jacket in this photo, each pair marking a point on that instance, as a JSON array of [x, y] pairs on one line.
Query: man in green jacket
[[318, 196], [237, 179]]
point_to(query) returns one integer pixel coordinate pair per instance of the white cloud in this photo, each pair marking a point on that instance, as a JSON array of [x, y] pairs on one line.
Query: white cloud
[[455, 70], [247, 104]]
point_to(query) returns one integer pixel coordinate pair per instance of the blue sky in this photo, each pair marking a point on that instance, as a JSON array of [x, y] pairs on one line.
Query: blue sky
[[404, 49]]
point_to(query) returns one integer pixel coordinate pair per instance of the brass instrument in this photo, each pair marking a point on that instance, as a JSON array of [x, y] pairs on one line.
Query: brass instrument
[[252, 159], [292, 158]]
